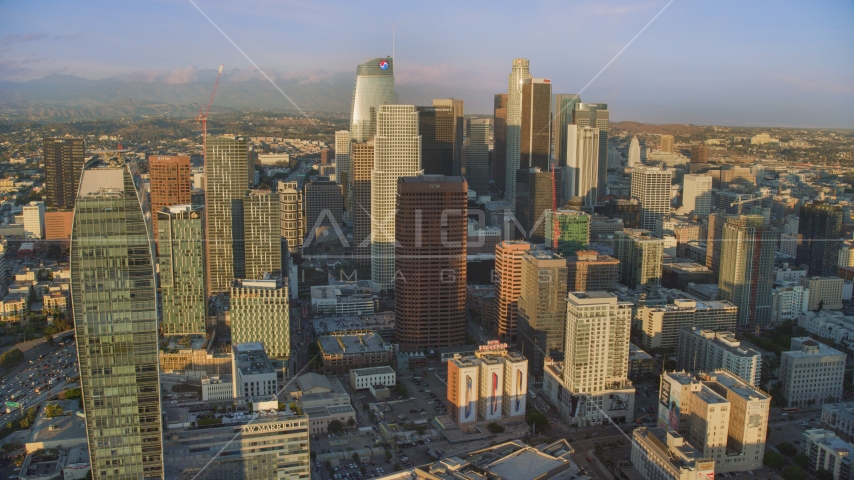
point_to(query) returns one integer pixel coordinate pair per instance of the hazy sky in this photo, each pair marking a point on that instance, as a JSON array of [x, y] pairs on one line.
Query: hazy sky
[[746, 62]]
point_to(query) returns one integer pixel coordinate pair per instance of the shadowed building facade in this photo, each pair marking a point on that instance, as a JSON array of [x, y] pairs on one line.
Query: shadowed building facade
[[362, 164], [430, 282], [499, 142], [63, 163], [170, 183]]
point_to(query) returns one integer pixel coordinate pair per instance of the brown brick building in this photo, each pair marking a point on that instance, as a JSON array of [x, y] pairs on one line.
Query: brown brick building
[[171, 182], [587, 270], [508, 284]]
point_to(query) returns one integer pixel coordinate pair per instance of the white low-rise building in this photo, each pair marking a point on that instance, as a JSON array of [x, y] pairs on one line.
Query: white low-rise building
[[252, 370], [839, 417], [828, 452], [833, 325], [788, 300], [702, 350], [217, 388], [366, 377], [812, 373]]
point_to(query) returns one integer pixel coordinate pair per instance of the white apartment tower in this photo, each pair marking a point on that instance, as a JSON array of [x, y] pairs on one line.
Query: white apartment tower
[[34, 220], [397, 153], [634, 153], [651, 187], [697, 194], [518, 75], [581, 173]]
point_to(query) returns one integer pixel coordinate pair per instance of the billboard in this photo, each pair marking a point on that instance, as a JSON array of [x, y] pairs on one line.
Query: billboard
[[468, 395], [518, 391], [492, 389]]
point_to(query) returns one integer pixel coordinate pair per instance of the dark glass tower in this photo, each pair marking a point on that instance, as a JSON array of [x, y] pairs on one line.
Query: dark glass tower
[[820, 228], [63, 164], [436, 126]]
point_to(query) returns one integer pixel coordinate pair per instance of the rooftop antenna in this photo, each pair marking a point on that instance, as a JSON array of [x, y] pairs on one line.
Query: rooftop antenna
[[392, 44]]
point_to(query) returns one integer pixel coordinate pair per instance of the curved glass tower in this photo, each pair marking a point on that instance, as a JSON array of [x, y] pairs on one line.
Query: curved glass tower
[[374, 87]]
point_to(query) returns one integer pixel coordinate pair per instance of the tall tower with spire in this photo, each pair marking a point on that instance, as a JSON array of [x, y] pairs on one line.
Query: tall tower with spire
[[518, 75]]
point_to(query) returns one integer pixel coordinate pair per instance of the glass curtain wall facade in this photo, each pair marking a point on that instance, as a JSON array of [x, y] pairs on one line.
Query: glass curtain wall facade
[[181, 236], [374, 87]]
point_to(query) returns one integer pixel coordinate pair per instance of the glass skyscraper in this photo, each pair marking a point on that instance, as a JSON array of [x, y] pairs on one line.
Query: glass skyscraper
[[517, 77], [181, 237], [115, 316], [374, 87]]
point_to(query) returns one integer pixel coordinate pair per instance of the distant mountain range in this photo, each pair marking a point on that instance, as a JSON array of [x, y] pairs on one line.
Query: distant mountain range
[[66, 97]]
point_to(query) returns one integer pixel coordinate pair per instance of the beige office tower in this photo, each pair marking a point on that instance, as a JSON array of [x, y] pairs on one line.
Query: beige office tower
[[666, 143], [640, 255], [542, 307], [697, 194], [361, 166], [651, 188], [397, 153], [227, 171], [719, 415], [260, 312], [343, 173], [516, 79], [262, 234], [291, 215], [581, 172], [661, 324], [508, 285]]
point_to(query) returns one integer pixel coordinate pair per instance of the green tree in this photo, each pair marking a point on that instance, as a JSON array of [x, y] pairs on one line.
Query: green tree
[[824, 475], [48, 338], [53, 410], [11, 358], [351, 423], [787, 449], [335, 426], [398, 468], [495, 428], [388, 454], [356, 457], [313, 455], [421, 429], [535, 417], [73, 393], [793, 473], [801, 460], [773, 459]]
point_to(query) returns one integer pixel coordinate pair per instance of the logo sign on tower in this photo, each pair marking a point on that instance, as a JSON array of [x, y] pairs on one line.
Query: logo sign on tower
[[383, 65]]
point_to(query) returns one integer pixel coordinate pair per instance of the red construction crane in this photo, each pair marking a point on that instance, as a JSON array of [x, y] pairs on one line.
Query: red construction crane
[[555, 228], [203, 117]]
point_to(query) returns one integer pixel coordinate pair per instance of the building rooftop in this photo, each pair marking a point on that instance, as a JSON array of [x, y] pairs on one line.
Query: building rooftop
[[352, 344], [376, 322], [508, 460], [365, 372], [635, 353], [67, 427], [804, 347], [251, 358], [738, 386], [309, 381]]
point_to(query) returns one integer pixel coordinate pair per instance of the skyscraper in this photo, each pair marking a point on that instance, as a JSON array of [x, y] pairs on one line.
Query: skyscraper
[[820, 229], [747, 267], [374, 87], [533, 198], [397, 153], [324, 206], [634, 153], [437, 127], [477, 156], [666, 143], [343, 173], [564, 106], [573, 230], [262, 234], [63, 163], [508, 285], [499, 141], [713, 242], [181, 240], [697, 194], [362, 165], [542, 307], [699, 153], [291, 217], [227, 170], [640, 254], [651, 187], [596, 115], [581, 170], [260, 312], [518, 74], [33, 214], [458, 108], [535, 148], [430, 287], [170, 183], [115, 317], [588, 270]]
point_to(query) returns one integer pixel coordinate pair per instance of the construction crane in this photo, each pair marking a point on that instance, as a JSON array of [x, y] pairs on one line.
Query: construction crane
[[555, 228], [741, 202], [203, 117]]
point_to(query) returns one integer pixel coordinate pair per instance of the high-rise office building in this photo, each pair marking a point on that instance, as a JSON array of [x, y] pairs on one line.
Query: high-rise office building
[[458, 108], [747, 267], [596, 115], [260, 312], [291, 216], [588, 270], [63, 163], [535, 148], [437, 127], [518, 74], [634, 153], [262, 245], [508, 285], [564, 106], [640, 254], [499, 142], [477, 156], [33, 214], [820, 229], [651, 187], [542, 307], [714, 241], [170, 183], [581, 170], [362, 165], [666, 145], [661, 324], [181, 240], [573, 230], [700, 153], [324, 206], [704, 350], [626, 210], [397, 153], [697, 194], [533, 198], [430, 257], [115, 316], [343, 172], [227, 171], [811, 373], [374, 87]]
